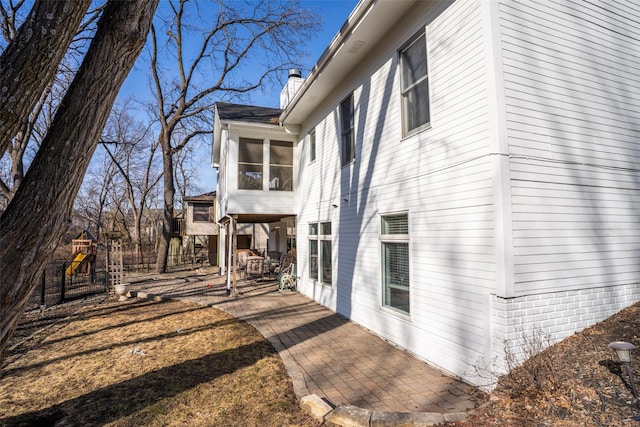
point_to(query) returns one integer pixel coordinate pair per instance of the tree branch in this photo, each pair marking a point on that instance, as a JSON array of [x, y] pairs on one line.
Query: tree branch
[[30, 60]]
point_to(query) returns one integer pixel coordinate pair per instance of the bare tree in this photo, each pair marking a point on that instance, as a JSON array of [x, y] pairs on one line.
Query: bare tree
[[10, 19], [36, 218], [95, 197], [135, 159], [262, 37], [186, 170]]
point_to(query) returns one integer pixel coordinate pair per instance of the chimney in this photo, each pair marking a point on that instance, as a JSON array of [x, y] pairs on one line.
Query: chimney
[[294, 82]]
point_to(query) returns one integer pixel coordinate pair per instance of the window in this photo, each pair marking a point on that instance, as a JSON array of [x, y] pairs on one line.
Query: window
[[348, 130], [312, 145], [201, 212], [415, 85], [280, 166], [313, 251], [320, 252], [394, 237], [250, 159]]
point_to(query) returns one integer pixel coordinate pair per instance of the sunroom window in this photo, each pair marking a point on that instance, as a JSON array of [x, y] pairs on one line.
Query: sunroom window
[[281, 166], [250, 164]]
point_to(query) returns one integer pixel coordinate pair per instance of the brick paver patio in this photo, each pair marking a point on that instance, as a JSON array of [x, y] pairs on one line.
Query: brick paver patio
[[324, 353]]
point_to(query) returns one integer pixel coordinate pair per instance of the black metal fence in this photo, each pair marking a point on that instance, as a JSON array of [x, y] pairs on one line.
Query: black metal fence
[[67, 280], [61, 282]]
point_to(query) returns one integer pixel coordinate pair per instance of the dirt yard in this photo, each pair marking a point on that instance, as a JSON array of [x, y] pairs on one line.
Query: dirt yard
[[100, 362]]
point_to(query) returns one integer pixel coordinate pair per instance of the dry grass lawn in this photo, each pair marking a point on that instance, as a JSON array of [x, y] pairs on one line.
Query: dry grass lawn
[[144, 363]]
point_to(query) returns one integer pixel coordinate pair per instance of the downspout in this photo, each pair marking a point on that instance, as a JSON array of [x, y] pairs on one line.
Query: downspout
[[229, 250]]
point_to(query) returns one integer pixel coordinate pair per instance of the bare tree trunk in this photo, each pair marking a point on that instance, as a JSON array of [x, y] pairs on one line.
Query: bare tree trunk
[[38, 215], [30, 61], [169, 195]]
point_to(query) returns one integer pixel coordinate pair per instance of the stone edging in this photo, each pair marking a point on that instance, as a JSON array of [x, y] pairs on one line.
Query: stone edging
[[353, 416]]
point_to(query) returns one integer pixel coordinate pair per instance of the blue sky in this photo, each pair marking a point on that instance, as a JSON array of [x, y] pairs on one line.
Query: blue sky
[[333, 14]]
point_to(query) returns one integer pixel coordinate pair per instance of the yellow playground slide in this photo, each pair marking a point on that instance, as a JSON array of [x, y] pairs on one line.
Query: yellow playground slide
[[77, 261]]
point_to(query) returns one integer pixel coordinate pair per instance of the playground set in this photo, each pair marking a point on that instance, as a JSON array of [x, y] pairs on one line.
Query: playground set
[[83, 251]]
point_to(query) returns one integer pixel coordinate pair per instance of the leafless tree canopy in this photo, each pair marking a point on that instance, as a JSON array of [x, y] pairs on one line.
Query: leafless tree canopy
[[61, 67]]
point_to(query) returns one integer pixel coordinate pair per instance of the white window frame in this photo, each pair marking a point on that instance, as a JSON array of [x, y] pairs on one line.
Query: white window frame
[[385, 240], [408, 88], [277, 183], [258, 183], [348, 131], [318, 239]]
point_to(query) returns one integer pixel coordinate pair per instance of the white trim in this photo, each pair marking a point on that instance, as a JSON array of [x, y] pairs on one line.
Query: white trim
[[500, 163]]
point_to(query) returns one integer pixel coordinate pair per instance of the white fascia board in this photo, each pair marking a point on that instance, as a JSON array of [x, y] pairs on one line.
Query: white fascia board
[[239, 125]]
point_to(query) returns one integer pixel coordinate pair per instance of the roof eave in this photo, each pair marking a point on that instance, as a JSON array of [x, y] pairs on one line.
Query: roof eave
[[366, 25]]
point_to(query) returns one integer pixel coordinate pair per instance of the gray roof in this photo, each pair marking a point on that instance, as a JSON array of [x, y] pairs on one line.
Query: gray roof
[[206, 197], [248, 113]]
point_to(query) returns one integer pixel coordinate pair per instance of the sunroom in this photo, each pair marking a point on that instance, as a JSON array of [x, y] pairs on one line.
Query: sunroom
[[254, 156]]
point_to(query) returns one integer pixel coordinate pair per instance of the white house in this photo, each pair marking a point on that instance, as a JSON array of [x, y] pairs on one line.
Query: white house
[[465, 172]]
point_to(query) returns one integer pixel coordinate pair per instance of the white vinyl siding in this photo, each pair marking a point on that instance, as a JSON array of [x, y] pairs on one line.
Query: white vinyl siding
[[443, 177], [572, 100]]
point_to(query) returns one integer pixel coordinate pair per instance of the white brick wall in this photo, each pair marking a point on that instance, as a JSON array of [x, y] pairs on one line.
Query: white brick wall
[[552, 317]]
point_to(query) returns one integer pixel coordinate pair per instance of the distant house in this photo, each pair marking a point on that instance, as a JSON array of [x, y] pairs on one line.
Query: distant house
[[464, 172], [201, 225]]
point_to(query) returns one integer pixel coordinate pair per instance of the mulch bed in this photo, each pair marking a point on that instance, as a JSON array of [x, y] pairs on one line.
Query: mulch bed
[[577, 382]]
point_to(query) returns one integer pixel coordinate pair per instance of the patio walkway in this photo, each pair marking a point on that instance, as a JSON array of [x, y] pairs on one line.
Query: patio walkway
[[324, 353]]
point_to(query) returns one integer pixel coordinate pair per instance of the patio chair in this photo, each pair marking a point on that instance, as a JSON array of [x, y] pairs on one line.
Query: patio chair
[[286, 273], [241, 259], [254, 267]]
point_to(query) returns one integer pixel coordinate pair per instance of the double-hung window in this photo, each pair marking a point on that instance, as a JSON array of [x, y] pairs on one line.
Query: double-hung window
[[347, 122], [280, 166], [320, 252], [394, 238], [415, 85], [250, 164]]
